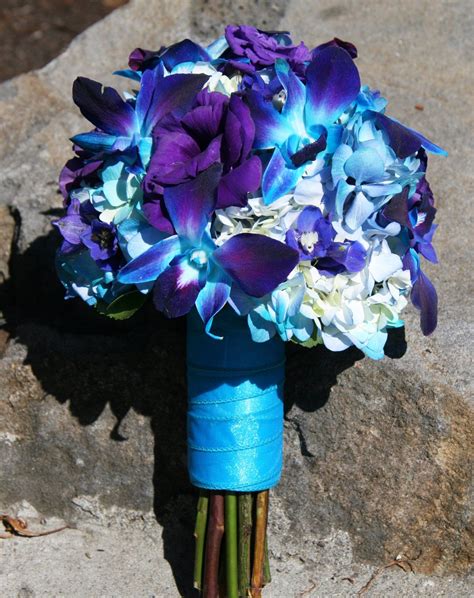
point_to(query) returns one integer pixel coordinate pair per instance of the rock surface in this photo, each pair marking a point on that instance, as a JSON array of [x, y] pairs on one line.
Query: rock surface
[[378, 455]]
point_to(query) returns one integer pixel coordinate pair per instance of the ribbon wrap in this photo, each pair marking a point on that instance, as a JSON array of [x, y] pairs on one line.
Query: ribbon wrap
[[235, 406]]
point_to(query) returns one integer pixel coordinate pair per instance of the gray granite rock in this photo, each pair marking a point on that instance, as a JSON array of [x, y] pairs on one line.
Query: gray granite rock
[[378, 458]]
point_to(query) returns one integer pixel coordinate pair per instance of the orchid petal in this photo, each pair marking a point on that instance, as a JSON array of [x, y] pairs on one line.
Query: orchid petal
[[95, 141], [160, 95], [403, 140], [213, 296], [351, 255], [425, 298], [155, 213], [190, 204], [177, 288], [271, 128], [293, 108], [333, 83], [183, 51], [104, 107], [257, 263], [397, 209], [278, 178], [236, 184], [149, 265], [428, 252], [308, 218]]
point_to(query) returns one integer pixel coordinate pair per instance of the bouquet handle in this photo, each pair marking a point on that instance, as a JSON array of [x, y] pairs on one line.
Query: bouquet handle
[[235, 451]]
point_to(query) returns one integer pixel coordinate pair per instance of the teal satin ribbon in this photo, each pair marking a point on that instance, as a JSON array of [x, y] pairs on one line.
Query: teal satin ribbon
[[235, 406]]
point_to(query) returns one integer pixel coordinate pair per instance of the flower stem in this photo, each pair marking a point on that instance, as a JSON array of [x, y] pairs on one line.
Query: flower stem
[[259, 544], [245, 542], [200, 535], [231, 540], [267, 577], [215, 532]]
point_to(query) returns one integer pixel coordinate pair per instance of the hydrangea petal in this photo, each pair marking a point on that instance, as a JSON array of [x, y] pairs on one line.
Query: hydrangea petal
[[383, 265], [339, 159], [364, 165], [360, 209], [342, 193], [261, 329]]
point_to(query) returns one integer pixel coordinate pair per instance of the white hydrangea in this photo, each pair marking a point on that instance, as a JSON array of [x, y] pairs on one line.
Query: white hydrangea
[[217, 81], [339, 311]]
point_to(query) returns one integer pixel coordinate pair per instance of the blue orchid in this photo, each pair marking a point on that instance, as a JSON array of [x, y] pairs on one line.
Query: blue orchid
[[123, 125], [305, 125], [423, 294], [180, 56], [188, 267]]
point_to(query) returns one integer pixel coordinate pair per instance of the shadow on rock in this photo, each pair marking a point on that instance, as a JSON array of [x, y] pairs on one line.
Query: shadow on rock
[[93, 363]]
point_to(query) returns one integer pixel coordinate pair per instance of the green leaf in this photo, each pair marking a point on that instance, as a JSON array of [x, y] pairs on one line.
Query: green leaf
[[124, 306]]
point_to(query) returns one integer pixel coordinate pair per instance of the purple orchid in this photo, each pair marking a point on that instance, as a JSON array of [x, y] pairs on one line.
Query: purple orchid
[[75, 223], [217, 130], [183, 51], [304, 127], [80, 228], [261, 48], [336, 42], [120, 124], [417, 214], [403, 140], [423, 294], [313, 238], [77, 170], [101, 240], [190, 270]]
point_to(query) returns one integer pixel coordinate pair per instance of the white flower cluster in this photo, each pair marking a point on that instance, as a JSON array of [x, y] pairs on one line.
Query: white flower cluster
[[311, 307]]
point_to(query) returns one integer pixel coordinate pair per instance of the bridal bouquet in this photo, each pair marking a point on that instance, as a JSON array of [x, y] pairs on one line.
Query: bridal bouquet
[[257, 187]]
